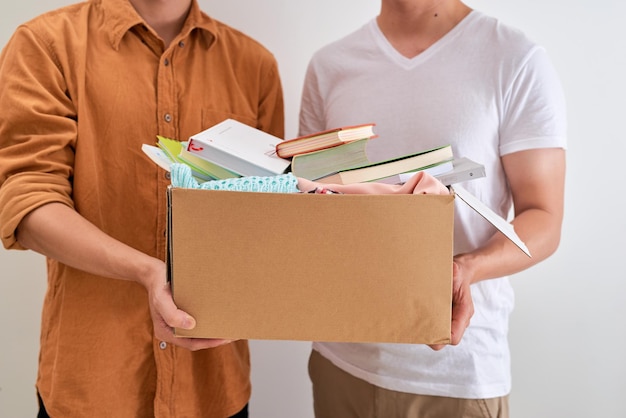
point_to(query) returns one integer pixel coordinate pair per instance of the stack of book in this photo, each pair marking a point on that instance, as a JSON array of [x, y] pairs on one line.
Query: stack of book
[[451, 172], [317, 164], [339, 156], [168, 151], [226, 150], [234, 149], [319, 154], [436, 161]]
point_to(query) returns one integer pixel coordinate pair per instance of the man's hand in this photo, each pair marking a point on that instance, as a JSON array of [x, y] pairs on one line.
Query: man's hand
[[166, 316], [462, 305]]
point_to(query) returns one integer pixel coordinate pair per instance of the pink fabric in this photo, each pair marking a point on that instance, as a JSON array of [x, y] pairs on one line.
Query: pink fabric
[[420, 183]]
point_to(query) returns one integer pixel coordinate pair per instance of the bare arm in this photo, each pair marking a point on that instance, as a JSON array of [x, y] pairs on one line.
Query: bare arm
[[57, 231], [537, 181]]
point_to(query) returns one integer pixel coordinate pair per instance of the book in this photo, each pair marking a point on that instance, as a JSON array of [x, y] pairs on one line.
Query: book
[[164, 159], [324, 139], [172, 149], [239, 148], [169, 151], [387, 168], [433, 170], [450, 172], [490, 216], [157, 155], [204, 167], [464, 170], [317, 164]]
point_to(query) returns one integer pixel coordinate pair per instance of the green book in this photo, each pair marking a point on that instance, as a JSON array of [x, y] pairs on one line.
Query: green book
[[387, 168], [317, 164]]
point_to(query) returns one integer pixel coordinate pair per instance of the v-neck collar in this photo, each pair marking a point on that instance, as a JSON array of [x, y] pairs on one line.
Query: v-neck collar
[[408, 63]]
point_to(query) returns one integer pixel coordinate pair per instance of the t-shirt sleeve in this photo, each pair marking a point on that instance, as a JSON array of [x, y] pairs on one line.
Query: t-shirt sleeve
[[534, 107], [312, 105]]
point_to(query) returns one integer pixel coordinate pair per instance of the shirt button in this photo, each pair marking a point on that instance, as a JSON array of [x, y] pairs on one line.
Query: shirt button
[[167, 117], [181, 44], [162, 345], [166, 62], [168, 176]]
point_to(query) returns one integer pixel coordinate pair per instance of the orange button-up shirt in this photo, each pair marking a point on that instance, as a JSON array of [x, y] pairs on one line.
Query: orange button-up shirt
[[82, 88]]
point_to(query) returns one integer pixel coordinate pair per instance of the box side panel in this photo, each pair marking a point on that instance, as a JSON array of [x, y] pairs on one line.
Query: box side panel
[[360, 268]]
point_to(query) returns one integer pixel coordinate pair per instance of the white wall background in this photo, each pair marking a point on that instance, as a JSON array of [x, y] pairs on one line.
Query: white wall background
[[568, 334]]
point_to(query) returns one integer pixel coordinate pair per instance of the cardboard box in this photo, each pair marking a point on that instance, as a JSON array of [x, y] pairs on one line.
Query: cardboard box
[[312, 267]]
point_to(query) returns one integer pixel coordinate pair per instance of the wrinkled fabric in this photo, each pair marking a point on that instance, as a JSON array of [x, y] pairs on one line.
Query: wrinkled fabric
[[182, 177], [420, 183], [83, 87]]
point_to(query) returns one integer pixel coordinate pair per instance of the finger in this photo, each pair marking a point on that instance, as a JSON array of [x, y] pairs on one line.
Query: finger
[[461, 315], [195, 344], [460, 322], [462, 305], [169, 312], [167, 335]]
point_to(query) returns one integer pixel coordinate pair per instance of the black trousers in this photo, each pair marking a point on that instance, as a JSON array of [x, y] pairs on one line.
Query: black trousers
[[43, 414]]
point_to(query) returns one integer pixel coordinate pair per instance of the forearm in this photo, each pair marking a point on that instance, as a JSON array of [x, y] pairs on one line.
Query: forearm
[[59, 232], [499, 257], [537, 181]]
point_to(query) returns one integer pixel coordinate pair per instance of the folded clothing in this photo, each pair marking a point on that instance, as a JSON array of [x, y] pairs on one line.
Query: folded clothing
[[421, 183], [284, 183]]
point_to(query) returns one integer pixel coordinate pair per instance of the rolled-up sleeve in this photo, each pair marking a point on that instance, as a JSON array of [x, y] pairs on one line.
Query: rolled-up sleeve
[[38, 131]]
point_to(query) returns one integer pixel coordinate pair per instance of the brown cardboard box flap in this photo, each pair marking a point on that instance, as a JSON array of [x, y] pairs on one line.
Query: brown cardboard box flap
[[350, 268]]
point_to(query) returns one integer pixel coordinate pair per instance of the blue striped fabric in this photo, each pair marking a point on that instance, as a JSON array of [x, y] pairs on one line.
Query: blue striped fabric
[[284, 183]]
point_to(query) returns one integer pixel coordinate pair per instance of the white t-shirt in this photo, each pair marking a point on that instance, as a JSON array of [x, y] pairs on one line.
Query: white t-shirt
[[488, 91]]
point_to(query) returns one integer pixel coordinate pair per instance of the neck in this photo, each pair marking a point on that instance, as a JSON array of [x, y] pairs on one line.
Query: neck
[[412, 26], [166, 17]]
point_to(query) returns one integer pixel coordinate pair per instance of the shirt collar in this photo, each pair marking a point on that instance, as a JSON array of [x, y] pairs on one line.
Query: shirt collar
[[120, 16]]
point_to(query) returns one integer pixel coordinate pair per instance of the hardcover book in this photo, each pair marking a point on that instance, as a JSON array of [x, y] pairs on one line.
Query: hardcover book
[[387, 168], [317, 164], [451, 172], [325, 139], [239, 148]]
